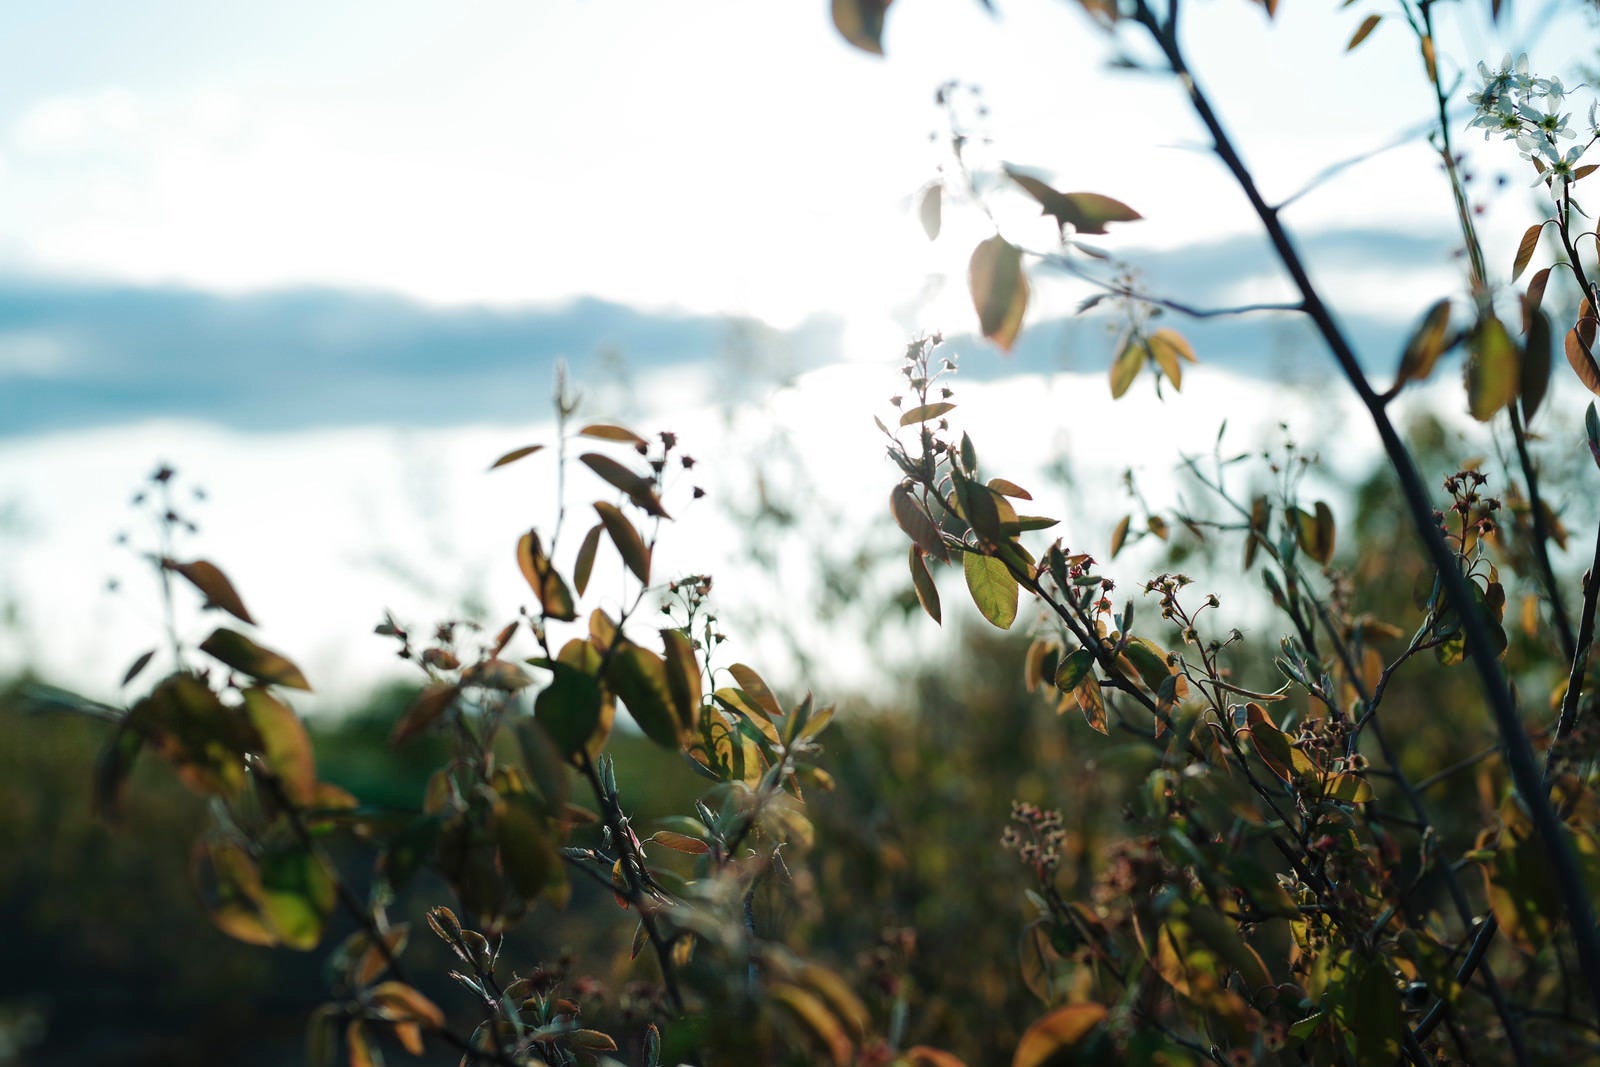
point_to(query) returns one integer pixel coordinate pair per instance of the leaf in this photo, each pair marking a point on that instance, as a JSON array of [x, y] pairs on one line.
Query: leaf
[[814, 1015], [639, 489], [1349, 788], [755, 687], [1426, 344], [583, 567], [1074, 669], [1591, 426], [999, 289], [555, 600], [692, 846], [297, 895], [1536, 284], [360, 1051], [499, 674], [136, 666], [424, 711], [1493, 369], [1086, 213], [514, 455], [1525, 249], [925, 412], [861, 23], [398, 1002], [1126, 367], [245, 656], [1119, 535], [916, 523], [993, 588], [213, 585], [1536, 361], [1092, 702], [606, 431], [1061, 1031], [1260, 515], [926, 589], [929, 210], [639, 677], [112, 767], [1011, 489], [683, 679], [285, 744], [527, 852], [1582, 360], [571, 708], [635, 553], [1368, 24], [1168, 347], [927, 1056]]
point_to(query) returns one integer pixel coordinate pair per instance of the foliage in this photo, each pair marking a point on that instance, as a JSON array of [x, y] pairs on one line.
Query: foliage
[[1231, 853]]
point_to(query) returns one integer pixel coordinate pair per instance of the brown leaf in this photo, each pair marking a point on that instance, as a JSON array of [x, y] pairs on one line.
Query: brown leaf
[[1363, 31], [999, 289], [514, 455], [211, 582], [861, 23]]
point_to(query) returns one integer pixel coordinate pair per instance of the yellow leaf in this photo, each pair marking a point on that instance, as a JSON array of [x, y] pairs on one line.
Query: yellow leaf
[[999, 289]]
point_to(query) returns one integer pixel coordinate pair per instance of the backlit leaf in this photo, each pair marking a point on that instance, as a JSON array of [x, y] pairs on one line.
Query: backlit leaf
[[1580, 355], [245, 656], [1126, 367], [1058, 1033], [999, 289], [499, 674], [1086, 213], [555, 600], [1169, 347], [1525, 249], [1493, 369], [755, 687], [925, 412], [1426, 344], [285, 744], [815, 1017], [1536, 362], [214, 585], [1074, 669], [692, 846], [683, 679], [1119, 535], [993, 588], [398, 1002], [639, 678]]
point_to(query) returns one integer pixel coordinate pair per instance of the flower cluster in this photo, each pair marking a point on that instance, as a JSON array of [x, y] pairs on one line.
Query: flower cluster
[[1528, 110]]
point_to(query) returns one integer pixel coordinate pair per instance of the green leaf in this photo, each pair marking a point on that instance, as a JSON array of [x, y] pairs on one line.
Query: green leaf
[[683, 679], [999, 289], [861, 23], [1591, 427], [926, 589], [213, 585], [297, 895], [570, 707], [639, 677], [245, 656], [555, 600], [635, 553], [1493, 369], [993, 588], [285, 744], [527, 851], [1074, 669], [1349, 788]]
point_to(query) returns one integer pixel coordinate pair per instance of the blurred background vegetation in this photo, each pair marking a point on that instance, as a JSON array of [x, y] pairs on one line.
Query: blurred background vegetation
[[105, 956]]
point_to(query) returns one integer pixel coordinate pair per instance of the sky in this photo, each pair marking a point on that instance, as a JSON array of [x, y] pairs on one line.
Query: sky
[[328, 256]]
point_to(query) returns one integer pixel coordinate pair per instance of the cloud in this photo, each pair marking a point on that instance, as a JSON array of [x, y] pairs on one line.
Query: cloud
[[77, 355]]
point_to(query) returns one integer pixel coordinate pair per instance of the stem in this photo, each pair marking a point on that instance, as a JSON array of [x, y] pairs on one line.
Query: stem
[[1525, 773]]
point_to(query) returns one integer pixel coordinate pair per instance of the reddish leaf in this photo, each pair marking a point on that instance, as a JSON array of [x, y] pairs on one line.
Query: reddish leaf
[[999, 289], [211, 582]]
